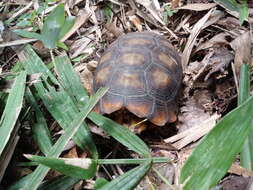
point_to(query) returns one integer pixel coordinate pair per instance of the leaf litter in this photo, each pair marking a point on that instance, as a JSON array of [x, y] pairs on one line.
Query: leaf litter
[[210, 46]]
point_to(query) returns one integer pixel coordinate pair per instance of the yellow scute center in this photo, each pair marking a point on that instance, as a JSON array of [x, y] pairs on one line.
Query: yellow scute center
[[132, 58], [161, 79], [129, 80]]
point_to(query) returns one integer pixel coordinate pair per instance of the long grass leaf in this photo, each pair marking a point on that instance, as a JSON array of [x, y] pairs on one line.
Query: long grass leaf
[[128, 180], [81, 168], [60, 183], [244, 93], [41, 133], [231, 4], [41, 171], [214, 155], [70, 80], [59, 103], [12, 109], [121, 134]]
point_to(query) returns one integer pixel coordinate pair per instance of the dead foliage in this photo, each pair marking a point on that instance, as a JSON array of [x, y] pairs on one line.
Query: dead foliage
[[207, 37]]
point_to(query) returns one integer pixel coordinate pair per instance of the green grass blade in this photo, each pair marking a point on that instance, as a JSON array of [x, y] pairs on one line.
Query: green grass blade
[[121, 134], [232, 5], [59, 103], [214, 155], [133, 161], [244, 93], [71, 81], [100, 182], [129, 180], [41, 171], [60, 183], [228, 4], [12, 109], [82, 168], [27, 34], [20, 183], [243, 12], [41, 133]]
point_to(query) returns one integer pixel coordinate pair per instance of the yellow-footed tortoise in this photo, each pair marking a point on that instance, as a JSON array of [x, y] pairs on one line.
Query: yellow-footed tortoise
[[143, 73]]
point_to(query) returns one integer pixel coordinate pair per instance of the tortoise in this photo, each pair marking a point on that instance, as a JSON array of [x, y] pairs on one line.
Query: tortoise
[[143, 73]]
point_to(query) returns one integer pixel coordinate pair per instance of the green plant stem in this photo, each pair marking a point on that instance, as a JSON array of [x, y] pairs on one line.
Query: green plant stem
[[132, 161], [112, 161], [164, 179]]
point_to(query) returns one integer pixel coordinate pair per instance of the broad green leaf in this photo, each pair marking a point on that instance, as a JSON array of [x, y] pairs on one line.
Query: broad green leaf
[[27, 34], [62, 45], [53, 26], [60, 183], [121, 134], [82, 168], [246, 157], [41, 171], [232, 5], [228, 4], [129, 180], [68, 24], [20, 183], [12, 109], [108, 10], [216, 152], [41, 133], [59, 103], [100, 182], [243, 12]]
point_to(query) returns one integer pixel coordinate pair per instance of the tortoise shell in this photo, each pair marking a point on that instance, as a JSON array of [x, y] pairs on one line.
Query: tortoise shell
[[143, 73]]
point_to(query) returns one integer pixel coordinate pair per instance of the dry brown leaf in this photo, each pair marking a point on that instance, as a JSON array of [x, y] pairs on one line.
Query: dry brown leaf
[[85, 45], [136, 21], [17, 42], [198, 6], [112, 28], [192, 39], [72, 153], [210, 18], [193, 134], [219, 39], [153, 7], [143, 15], [233, 182], [239, 170], [86, 77], [216, 59], [194, 123], [175, 3], [72, 3], [219, 61], [21, 11], [80, 20], [242, 47]]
